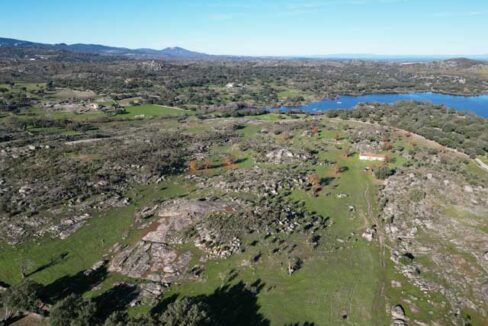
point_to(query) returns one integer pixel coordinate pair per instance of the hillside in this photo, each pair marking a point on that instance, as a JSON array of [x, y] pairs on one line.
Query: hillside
[[167, 53], [139, 192], [273, 211]]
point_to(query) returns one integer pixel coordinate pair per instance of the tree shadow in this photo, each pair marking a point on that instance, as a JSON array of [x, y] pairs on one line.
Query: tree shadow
[[117, 298], [326, 181], [79, 283], [54, 261], [235, 162], [236, 304], [163, 304]]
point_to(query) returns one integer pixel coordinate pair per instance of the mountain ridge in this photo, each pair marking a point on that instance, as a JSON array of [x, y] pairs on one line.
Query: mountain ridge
[[180, 53]]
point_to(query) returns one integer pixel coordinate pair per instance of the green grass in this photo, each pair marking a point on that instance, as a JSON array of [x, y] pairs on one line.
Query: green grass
[[475, 171], [336, 278], [269, 117], [152, 110], [83, 249], [344, 275], [133, 112], [483, 159], [66, 93], [85, 116], [128, 101], [86, 246]]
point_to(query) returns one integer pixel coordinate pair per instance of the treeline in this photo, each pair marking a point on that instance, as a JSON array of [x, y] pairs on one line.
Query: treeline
[[462, 131], [257, 83], [234, 304]]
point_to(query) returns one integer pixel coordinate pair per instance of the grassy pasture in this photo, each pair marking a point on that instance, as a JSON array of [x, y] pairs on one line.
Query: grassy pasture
[[340, 279], [88, 245], [152, 111], [346, 280]]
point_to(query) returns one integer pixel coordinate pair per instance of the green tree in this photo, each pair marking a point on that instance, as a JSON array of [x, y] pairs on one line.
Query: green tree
[[185, 313], [73, 311], [383, 172], [23, 297], [121, 318]]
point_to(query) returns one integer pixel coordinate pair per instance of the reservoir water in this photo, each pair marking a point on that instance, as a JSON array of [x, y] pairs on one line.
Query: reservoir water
[[476, 104]]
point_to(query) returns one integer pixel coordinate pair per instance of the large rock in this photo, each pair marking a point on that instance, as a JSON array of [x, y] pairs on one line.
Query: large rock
[[154, 257], [179, 215], [284, 155], [397, 312]]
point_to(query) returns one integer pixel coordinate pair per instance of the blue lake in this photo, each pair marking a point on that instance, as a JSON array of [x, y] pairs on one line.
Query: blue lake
[[476, 104]]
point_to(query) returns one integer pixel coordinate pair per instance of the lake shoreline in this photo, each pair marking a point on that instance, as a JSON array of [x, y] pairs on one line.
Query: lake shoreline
[[477, 104]]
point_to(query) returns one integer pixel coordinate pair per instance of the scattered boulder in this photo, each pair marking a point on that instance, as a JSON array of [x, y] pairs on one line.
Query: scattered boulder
[[146, 212], [485, 255], [397, 312], [95, 268], [396, 284], [154, 258], [484, 290], [284, 155], [294, 265], [151, 290], [370, 233], [399, 322], [398, 316], [180, 214]]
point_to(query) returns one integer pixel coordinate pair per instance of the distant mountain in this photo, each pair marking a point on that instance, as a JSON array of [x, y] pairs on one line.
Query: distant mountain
[[183, 53], [13, 42], [396, 58], [177, 53]]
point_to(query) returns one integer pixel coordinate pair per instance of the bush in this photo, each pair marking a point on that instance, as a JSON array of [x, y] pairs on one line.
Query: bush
[[383, 172], [22, 297], [185, 313], [73, 311], [416, 195]]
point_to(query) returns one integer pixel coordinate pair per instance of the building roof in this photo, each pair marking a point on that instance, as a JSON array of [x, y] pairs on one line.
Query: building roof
[[372, 155]]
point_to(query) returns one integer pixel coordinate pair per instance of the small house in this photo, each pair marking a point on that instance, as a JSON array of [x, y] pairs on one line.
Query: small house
[[371, 157]]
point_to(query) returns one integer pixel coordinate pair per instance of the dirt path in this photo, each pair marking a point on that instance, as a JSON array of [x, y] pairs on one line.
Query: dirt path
[[482, 164], [372, 219]]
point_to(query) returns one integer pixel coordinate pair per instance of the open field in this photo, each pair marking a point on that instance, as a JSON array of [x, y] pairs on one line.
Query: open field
[[343, 279]]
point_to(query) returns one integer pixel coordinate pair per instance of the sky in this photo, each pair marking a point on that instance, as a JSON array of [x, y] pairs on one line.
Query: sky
[[257, 27]]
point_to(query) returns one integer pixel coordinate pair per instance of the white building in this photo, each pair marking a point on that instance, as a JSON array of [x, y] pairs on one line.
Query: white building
[[371, 157]]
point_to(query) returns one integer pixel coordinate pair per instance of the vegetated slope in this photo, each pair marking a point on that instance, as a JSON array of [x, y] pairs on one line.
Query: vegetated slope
[[278, 231], [166, 53], [301, 237], [262, 219], [462, 131]]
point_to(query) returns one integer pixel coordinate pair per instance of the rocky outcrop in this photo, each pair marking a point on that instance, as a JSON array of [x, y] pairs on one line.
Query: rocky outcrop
[[256, 180], [435, 222], [284, 155], [155, 257]]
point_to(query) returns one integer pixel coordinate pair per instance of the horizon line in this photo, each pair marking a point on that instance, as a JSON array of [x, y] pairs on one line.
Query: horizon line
[[334, 54]]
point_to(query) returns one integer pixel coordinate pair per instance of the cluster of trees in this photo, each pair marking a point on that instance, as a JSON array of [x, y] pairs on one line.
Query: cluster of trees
[[462, 131], [12, 102], [55, 176], [383, 172], [14, 123], [74, 310], [257, 84]]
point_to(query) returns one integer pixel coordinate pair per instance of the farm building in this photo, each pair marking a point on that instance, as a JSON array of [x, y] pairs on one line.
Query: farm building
[[371, 157]]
